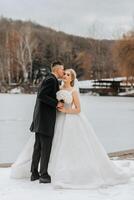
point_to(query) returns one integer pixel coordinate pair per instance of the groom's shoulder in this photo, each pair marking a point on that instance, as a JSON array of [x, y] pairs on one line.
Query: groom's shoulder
[[48, 77]]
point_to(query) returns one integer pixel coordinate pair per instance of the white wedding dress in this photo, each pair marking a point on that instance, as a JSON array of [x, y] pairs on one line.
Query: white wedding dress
[[77, 160]]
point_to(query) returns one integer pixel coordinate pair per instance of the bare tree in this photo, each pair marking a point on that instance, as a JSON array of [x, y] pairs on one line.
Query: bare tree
[[123, 52]]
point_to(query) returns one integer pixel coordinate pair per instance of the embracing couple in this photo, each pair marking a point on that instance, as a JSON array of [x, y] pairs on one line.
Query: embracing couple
[[65, 147]]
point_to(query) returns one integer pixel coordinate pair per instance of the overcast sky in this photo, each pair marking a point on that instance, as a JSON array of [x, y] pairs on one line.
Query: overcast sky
[[99, 18]]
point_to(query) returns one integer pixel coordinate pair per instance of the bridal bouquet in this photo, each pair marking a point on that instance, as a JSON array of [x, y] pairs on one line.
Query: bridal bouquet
[[64, 96]]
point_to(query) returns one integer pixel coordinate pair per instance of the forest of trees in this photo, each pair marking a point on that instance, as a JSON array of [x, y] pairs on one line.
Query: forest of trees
[[26, 48]]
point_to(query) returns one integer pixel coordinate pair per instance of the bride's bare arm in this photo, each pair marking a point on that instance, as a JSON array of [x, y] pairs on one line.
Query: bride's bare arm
[[76, 102]]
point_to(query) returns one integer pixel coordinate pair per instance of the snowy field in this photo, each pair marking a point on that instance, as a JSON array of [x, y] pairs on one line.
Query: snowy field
[[111, 117], [11, 189], [113, 121]]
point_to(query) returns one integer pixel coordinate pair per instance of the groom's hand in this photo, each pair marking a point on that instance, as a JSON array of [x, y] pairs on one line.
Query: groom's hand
[[60, 105]]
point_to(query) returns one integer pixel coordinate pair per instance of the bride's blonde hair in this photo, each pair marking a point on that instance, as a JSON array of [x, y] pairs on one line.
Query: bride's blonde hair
[[73, 76]]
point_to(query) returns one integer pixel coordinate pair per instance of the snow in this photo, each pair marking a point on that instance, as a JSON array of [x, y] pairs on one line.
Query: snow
[[16, 90], [86, 84], [111, 117], [23, 189], [113, 121], [126, 93], [115, 79]]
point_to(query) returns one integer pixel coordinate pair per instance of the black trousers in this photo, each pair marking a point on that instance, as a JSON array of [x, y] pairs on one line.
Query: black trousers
[[41, 153]]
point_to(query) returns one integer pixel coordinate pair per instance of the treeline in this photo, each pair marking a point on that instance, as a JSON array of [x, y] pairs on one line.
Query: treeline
[[27, 48]]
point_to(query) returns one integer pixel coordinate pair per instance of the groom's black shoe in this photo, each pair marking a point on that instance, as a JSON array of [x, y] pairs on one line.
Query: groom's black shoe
[[46, 179], [35, 176]]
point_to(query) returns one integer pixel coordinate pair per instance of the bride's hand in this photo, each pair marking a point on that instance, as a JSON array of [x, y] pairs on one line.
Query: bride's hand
[[60, 105], [63, 110]]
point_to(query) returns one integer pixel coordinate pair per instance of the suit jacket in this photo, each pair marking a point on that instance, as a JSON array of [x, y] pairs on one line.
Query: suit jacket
[[44, 115]]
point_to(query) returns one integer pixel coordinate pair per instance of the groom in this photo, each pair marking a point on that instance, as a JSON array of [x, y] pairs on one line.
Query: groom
[[44, 121]]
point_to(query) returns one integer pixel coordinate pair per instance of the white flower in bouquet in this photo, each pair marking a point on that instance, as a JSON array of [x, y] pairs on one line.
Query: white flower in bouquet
[[65, 96]]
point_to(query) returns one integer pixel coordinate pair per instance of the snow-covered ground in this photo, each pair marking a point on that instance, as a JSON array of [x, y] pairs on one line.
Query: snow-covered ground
[[126, 93], [111, 117], [23, 189], [113, 121]]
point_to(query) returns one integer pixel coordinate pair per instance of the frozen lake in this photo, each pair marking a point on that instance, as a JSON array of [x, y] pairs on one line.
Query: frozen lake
[[111, 117]]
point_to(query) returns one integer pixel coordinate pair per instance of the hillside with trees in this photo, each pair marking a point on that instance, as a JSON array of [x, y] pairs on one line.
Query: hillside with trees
[[27, 48]]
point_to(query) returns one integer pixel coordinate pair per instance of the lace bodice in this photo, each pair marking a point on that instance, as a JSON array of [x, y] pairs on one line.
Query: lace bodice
[[68, 105]]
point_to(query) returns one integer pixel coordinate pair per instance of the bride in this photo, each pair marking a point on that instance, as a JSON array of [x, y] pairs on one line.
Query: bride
[[77, 160]]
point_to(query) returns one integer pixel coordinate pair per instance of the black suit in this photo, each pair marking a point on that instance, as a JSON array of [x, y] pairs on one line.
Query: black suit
[[43, 123]]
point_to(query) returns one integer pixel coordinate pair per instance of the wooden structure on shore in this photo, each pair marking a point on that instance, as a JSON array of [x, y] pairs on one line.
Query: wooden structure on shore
[[105, 87]]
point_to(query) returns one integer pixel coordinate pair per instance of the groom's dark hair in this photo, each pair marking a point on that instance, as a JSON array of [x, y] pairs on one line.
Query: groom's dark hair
[[57, 62]]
